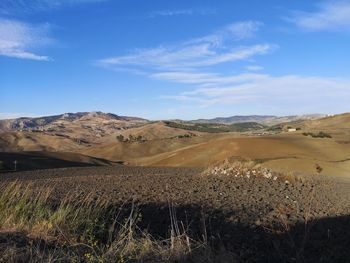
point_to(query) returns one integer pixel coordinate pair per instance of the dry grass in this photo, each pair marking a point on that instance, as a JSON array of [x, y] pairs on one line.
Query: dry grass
[[86, 230]]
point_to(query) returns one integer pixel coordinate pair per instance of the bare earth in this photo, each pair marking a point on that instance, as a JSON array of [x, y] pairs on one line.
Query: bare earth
[[255, 220]]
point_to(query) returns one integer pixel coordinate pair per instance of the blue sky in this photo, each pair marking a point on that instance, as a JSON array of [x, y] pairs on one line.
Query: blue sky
[[174, 59]]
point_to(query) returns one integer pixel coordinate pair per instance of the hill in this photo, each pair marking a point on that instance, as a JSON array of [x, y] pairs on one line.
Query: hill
[[65, 132], [216, 127], [179, 143], [262, 119], [89, 120]]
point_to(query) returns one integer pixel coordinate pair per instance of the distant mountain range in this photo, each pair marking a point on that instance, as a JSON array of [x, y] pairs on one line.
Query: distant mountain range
[[95, 118], [109, 121], [262, 119]]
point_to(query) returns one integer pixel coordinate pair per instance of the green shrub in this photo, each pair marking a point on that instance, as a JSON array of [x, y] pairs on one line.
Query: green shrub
[[320, 134], [323, 135], [215, 127]]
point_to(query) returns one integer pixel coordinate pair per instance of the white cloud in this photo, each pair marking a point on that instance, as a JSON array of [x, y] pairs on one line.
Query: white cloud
[[28, 6], [9, 115], [274, 90], [330, 16], [205, 79], [244, 30], [219, 47], [254, 68], [17, 38]]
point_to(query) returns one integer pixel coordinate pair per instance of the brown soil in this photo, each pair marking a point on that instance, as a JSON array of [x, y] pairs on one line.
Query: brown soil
[[255, 220]]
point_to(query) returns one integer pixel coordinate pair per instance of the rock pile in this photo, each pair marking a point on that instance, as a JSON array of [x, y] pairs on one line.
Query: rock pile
[[244, 170]]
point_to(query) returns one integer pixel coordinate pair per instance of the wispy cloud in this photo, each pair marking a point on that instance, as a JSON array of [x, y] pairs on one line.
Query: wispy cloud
[[12, 115], [255, 88], [183, 12], [205, 79], [254, 67], [18, 38], [219, 47], [330, 16], [186, 56], [28, 6]]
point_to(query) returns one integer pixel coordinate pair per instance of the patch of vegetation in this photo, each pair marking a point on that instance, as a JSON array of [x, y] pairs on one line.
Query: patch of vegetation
[[214, 128], [320, 134], [86, 229], [120, 138], [276, 128], [131, 138], [186, 135]]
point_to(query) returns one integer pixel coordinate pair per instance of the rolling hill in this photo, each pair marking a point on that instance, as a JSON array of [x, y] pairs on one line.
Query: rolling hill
[[93, 121], [180, 143], [262, 119]]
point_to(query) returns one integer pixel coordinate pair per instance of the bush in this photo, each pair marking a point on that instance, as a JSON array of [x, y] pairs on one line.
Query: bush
[[320, 134], [323, 135], [120, 138], [185, 136], [275, 128], [131, 138]]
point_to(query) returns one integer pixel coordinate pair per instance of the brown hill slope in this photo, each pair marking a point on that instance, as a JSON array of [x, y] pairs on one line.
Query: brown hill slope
[[157, 130], [130, 152], [75, 137], [88, 120], [34, 141], [335, 123], [288, 152]]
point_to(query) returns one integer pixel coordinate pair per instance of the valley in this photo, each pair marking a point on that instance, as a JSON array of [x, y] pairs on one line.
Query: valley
[[136, 141]]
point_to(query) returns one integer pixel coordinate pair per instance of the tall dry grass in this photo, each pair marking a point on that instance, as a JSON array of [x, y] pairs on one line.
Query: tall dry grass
[[86, 230]]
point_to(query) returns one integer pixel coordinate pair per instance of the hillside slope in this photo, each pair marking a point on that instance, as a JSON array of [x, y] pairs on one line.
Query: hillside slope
[[262, 119], [292, 153]]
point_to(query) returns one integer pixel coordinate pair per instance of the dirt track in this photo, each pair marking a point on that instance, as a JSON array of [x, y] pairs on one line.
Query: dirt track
[[237, 212]]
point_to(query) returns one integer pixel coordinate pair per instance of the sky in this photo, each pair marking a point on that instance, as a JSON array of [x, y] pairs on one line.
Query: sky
[[184, 59]]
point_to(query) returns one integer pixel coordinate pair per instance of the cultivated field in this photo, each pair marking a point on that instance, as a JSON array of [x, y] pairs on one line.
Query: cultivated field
[[173, 214]]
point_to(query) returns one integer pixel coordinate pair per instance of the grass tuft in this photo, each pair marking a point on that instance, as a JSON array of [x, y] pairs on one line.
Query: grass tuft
[[85, 229]]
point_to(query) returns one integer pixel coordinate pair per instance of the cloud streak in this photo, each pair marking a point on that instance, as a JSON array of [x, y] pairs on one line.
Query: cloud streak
[[17, 38], [8, 115], [205, 79], [330, 16], [182, 12], [29, 6], [245, 88], [219, 47]]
